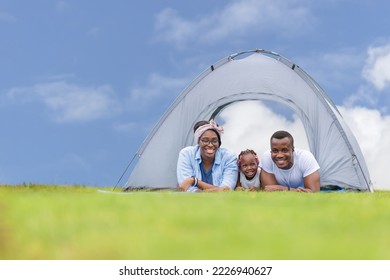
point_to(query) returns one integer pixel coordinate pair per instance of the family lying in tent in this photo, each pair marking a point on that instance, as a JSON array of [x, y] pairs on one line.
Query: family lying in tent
[[208, 167]]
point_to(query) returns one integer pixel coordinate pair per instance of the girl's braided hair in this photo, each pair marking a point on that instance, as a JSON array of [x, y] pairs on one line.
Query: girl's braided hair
[[245, 152]]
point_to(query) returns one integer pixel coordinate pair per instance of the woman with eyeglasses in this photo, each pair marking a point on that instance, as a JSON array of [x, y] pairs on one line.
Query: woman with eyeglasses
[[206, 167]]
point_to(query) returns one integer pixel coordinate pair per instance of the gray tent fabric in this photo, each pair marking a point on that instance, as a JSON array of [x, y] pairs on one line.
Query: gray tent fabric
[[252, 75]]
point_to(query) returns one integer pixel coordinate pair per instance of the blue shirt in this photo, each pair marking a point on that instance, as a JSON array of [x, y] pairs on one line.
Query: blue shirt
[[206, 176], [224, 169]]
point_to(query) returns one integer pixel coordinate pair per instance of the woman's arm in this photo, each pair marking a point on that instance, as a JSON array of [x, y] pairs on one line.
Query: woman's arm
[[205, 187], [230, 171], [185, 170]]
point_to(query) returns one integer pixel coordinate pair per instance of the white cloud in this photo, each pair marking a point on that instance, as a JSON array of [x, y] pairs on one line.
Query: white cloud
[[69, 102], [373, 91], [156, 87], [372, 132], [172, 28], [235, 20], [250, 125], [94, 31], [377, 68], [62, 6], [125, 127], [365, 94], [334, 69], [6, 17]]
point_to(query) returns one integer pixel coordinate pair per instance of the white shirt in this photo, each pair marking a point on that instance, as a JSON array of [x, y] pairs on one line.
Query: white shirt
[[255, 181], [304, 164]]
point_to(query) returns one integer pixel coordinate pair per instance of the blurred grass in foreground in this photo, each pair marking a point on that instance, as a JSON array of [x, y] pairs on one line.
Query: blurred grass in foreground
[[43, 222]]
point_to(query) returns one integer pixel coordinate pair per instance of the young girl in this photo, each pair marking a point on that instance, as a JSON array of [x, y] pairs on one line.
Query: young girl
[[249, 171]]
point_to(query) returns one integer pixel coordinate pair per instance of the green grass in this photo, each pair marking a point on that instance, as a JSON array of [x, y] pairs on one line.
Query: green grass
[[42, 222]]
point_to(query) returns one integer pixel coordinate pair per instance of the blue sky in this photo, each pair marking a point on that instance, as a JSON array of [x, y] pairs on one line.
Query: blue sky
[[83, 82]]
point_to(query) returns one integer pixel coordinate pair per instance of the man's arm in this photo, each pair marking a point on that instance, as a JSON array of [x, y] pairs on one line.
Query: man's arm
[[268, 182], [311, 182]]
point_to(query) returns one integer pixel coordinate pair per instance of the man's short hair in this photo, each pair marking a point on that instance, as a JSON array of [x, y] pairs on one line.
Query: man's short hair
[[280, 134]]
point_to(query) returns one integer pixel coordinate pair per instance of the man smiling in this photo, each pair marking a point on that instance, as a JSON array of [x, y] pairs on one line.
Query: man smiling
[[287, 168]]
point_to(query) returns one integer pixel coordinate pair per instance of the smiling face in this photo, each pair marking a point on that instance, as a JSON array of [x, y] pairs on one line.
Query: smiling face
[[282, 152], [248, 165], [209, 144]]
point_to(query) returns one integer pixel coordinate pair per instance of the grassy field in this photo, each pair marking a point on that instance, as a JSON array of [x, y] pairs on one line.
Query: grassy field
[[43, 222]]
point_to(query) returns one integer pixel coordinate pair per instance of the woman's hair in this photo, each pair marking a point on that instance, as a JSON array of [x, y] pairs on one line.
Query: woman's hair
[[245, 152], [201, 123]]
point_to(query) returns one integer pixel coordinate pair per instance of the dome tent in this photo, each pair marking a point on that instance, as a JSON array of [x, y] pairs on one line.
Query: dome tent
[[252, 75]]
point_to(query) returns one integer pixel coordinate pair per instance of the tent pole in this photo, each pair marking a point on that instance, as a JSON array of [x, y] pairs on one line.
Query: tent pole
[[124, 172]]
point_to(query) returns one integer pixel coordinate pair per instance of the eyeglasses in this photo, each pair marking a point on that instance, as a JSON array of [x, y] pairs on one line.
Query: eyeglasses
[[208, 141]]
